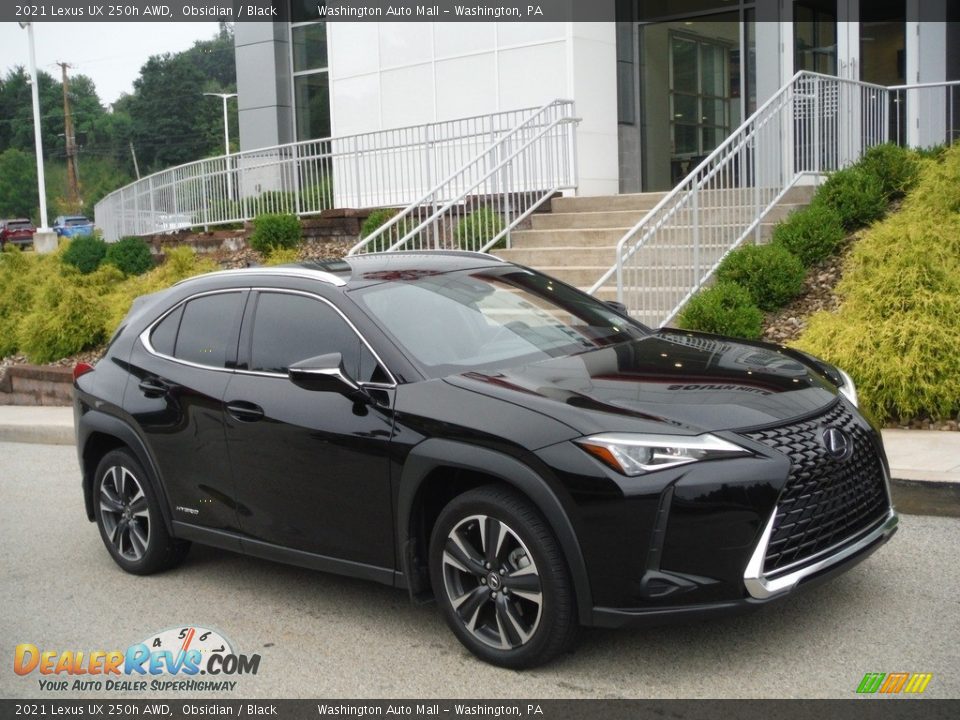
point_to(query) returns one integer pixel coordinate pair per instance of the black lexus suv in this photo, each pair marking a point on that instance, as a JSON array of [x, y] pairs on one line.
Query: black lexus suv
[[476, 432]]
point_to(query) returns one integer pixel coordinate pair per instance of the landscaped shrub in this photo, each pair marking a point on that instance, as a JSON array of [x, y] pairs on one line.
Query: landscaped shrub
[[374, 220], [478, 228], [895, 167], [724, 309], [65, 318], [897, 330], [18, 281], [275, 230], [812, 234], [131, 256], [770, 273], [857, 195], [85, 253], [282, 256]]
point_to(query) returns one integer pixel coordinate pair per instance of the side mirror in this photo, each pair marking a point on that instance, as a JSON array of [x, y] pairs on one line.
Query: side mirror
[[325, 373], [619, 307]]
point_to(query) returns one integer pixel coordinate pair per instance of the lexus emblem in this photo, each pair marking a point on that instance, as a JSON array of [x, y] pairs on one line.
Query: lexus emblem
[[838, 444]]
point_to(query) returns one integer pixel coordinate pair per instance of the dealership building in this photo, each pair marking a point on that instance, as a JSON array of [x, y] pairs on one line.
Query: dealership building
[[656, 91]]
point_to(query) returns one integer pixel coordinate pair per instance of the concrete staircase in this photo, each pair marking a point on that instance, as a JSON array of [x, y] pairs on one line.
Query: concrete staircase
[[577, 240]]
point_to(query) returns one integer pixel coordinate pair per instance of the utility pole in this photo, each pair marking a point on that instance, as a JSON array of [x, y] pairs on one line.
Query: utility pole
[[136, 165], [73, 181]]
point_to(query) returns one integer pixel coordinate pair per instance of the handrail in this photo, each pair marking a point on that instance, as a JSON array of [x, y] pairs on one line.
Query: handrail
[[371, 169], [397, 229], [814, 124]]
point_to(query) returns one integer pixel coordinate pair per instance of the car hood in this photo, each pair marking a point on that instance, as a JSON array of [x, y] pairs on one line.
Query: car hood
[[688, 382]]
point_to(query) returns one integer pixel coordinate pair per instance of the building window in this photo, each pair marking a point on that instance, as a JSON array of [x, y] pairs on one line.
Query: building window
[[312, 97], [311, 81], [815, 36], [699, 95]]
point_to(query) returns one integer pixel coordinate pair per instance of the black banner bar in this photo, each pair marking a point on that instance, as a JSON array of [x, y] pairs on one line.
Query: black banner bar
[[379, 10], [874, 708]]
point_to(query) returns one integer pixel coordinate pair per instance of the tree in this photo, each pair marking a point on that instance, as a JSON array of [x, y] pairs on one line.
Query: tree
[[18, 184]]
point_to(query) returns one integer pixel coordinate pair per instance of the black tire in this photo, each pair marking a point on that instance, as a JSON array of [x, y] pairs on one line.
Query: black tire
[[128, 515], [493, 612]]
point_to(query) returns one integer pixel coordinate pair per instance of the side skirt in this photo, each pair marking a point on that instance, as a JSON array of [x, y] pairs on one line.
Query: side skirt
[[268, 551]]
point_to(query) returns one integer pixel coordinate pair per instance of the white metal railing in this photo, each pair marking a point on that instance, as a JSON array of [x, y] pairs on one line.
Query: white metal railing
[[814, 124], [389, 168], [477, 205]]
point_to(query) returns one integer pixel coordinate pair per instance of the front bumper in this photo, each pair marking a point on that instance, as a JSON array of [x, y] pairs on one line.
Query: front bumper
[[762, 586], [762, 590]]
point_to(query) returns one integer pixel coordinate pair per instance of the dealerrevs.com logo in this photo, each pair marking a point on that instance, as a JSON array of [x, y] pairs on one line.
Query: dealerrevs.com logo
[[188, 658]]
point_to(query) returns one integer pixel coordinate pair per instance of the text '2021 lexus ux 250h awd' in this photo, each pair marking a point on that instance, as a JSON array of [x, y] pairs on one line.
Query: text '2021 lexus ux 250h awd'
[[475, 431]]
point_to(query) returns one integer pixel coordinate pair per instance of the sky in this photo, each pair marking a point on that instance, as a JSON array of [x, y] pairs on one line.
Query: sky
[[110, 53]]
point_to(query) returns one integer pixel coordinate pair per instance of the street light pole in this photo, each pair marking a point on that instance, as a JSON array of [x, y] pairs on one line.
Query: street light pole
[[226, 137], [37, 137]]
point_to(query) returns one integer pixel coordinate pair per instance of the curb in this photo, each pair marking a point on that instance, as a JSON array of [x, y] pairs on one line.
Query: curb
[[926, 497], [38, 434]]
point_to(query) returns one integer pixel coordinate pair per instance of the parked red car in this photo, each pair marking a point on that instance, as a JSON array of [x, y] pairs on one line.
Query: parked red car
[[18, 231]]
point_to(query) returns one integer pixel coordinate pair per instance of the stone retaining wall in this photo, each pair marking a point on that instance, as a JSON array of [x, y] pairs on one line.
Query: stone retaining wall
[[37, 385]]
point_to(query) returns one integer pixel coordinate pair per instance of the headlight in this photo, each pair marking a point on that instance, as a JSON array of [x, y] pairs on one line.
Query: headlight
[[633, 454], [848, 389]]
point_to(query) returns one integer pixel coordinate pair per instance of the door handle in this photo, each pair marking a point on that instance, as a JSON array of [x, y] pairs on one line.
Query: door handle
[[153, 387], [245, 411]]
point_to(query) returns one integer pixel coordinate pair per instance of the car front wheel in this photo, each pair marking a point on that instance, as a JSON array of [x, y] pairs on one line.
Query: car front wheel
[[128, 515], [501, 579]]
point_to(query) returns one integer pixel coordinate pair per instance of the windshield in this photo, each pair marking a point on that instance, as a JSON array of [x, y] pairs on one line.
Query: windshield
[[490, 320], [77, 221], [19, 224]]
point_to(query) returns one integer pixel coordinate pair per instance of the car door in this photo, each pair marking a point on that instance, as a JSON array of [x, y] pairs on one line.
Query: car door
[[180, 369], [311, 468]]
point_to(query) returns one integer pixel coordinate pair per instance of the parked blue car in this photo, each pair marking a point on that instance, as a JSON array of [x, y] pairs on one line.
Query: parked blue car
[[70, 226]]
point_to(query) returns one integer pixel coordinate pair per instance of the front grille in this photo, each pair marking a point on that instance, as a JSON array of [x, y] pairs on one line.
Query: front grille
[[825, 501]]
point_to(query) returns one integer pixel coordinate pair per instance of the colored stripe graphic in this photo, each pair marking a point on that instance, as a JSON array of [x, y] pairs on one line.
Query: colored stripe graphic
[[893, 683], [918, 682], [870, 683]]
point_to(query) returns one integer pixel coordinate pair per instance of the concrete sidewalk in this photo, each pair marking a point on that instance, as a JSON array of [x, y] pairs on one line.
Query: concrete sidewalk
[[924, 464]]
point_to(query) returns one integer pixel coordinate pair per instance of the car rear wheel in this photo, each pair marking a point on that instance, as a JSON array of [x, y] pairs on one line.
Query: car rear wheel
[[128, 515], [501, 579]]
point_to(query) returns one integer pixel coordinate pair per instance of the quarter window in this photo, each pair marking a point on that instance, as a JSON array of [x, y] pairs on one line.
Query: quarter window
[[164, 335], [207, 329]]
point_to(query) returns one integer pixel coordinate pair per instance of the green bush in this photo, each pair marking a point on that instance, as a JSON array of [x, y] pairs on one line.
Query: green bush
[[85, 253], [724, 309], [895, 167], [812, 234], [770, 273], [131, 256], [65, 318], [856, 195], [478, 228], [898, 326], [275, 231], [375, 220]]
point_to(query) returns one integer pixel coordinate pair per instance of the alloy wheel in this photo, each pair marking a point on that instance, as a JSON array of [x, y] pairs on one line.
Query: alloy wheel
[[492, 582], [125, 513]]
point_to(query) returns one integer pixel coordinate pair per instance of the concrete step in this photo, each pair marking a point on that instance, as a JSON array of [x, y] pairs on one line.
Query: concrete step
[[587, 275], [629, 218], [596, 238], [558, 256], [605, 203], [587, 220]]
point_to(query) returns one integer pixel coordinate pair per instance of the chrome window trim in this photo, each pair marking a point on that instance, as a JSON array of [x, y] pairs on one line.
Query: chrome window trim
[[320, 275], [762, 587], [145, 335]]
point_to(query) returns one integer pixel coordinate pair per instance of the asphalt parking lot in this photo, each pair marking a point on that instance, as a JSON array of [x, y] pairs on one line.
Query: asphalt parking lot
[[324, 636]]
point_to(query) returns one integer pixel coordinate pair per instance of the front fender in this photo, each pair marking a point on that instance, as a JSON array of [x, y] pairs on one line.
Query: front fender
[[435, 452]]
